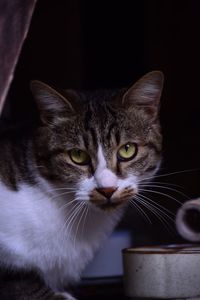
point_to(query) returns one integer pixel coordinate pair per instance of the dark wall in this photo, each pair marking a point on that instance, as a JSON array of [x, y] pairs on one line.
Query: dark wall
[[92, 44]]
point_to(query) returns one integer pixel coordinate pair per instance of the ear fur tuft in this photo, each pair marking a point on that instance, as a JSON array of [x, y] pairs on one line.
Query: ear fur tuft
[[49, 101], [146, 92]]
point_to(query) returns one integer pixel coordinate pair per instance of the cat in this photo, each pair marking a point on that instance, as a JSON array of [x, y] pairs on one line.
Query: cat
[[65, 186]]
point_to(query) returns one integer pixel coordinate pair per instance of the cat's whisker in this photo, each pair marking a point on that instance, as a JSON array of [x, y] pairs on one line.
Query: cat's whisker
[[154, 203], [73, 216], [70, 215], [159, 216], [63, 188], [61, 194], [158, 207], [163, 183], [140, 210], [70, 221], [82, 211], [158, 213], [160, 193], [166, 188], [67, 204], [85, 218], [169, 174], [78, 213]]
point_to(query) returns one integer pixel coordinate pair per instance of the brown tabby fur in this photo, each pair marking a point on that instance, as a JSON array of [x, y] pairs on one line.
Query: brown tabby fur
[[80, 120]]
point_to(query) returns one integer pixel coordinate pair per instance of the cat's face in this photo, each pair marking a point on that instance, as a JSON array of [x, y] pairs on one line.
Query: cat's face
[[100, 145]]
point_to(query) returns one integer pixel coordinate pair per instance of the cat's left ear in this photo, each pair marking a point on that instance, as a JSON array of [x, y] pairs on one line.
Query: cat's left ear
[[50, 102], [145, 93]]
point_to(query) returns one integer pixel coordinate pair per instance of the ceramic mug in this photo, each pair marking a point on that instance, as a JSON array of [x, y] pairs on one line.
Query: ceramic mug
[[171, 271]]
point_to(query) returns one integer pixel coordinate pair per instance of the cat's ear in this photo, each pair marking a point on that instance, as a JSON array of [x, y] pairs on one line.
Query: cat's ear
[[50, 102], [145, 93]]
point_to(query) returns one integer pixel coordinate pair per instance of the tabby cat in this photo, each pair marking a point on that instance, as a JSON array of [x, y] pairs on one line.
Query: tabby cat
[[65, 186]]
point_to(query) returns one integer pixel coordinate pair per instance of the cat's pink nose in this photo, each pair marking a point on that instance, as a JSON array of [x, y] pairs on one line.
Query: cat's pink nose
[[107, 192]]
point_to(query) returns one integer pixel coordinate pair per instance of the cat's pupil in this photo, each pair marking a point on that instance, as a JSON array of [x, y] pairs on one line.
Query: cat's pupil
[[127, 146]]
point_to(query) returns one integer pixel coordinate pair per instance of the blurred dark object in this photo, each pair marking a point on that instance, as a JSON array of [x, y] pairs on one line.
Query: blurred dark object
[[15, 17]]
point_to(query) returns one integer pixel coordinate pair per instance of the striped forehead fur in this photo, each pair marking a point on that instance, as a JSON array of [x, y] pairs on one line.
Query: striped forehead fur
[[104, 121]]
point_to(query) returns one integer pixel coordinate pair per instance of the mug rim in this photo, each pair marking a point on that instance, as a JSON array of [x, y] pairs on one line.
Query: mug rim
[[164, 249]]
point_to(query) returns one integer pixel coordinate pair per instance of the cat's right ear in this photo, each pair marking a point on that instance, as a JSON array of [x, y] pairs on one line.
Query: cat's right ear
[[51, 103], [145, 93]]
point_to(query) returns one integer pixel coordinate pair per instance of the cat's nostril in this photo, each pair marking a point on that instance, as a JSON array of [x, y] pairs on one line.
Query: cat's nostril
[[107, 192]]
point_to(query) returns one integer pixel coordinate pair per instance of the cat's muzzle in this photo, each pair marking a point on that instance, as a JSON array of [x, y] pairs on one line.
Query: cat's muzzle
[[110, 197]]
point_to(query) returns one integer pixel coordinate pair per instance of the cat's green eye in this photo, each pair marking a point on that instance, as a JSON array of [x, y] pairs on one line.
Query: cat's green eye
[[79, 157], [127, 152]]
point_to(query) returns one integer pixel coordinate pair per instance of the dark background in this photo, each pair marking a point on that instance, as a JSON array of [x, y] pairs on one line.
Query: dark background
[[110, 44]]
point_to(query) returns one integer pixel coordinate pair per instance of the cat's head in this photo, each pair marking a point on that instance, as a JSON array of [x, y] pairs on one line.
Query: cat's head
[[101, 144]]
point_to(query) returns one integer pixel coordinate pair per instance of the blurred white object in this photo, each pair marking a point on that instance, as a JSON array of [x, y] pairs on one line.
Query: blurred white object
[[188, 220]]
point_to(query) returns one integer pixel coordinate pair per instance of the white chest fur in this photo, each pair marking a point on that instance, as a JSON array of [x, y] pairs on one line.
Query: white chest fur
[[33, 234]]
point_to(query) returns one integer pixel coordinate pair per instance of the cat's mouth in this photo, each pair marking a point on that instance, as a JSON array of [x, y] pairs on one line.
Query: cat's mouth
[[109, 205]]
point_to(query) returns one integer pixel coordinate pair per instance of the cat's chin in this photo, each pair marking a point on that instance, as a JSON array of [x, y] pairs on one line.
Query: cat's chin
[[110, 204]]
